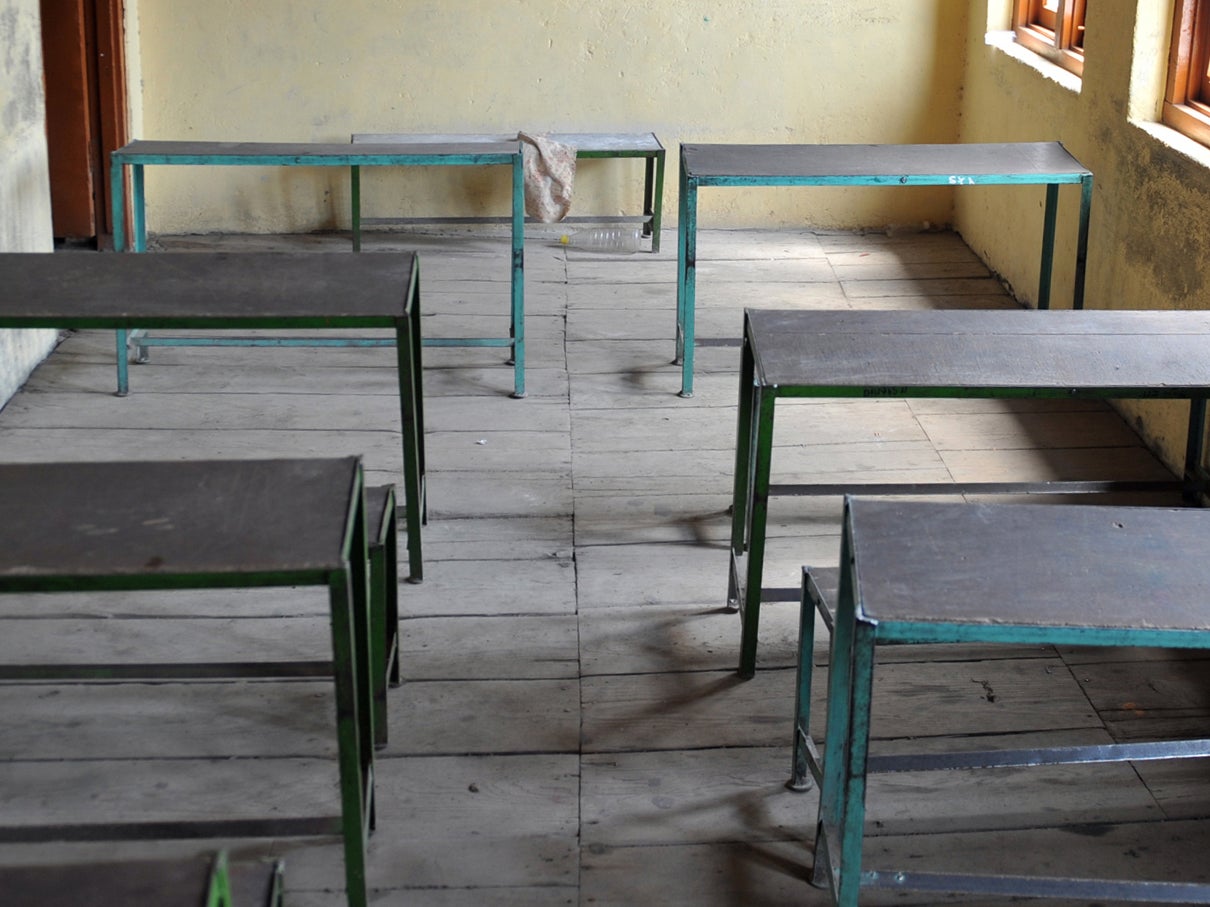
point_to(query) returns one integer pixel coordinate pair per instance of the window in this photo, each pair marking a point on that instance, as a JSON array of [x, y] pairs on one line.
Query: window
[[1187, 100], [1054, 29]]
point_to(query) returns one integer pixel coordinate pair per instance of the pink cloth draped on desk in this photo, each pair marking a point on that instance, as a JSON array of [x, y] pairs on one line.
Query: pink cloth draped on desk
[[550, 170]]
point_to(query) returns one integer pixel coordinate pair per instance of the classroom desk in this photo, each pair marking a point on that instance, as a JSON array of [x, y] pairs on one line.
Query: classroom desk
[[588, 145], [1027, 574], [184, 882], [233, 292], [1021, 353], [74, 527], [1016, 163], [140, 154]]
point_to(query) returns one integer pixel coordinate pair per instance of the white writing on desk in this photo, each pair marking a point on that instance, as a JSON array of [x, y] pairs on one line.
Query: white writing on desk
[[962, 181]]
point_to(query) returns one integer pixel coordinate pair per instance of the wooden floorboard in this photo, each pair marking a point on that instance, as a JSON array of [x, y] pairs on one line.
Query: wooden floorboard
[[570, 729]]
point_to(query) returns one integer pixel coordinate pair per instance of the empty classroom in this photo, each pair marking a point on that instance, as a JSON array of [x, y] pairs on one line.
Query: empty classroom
[[830, 537]]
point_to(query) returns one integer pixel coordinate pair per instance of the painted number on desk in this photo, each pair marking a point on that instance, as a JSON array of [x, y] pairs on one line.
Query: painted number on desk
[[962, 181]]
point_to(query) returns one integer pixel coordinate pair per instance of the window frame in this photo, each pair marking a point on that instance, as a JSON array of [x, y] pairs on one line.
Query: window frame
[[1187, 96], [1057, 35]]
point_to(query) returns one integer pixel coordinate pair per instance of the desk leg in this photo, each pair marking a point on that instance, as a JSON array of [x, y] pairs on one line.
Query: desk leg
[[411, 411], [138, 225], [391, 567], [356, 766], [355, 205], [517, 328], [839, 721], [123, 365], [1048, 245], [384, 614], [745, 443], [648, 182], [1194, 451], [138, 243], [1082, 241], [685, 278], [757, 520], [218, 891], [851, 823], [656, 199], [363, 654], [117, 197], [138, 210], [800, 767]]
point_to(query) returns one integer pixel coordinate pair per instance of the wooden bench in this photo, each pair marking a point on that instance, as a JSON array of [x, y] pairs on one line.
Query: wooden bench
[[588, 145], [191, 882], [218, 524], [1002, 574]]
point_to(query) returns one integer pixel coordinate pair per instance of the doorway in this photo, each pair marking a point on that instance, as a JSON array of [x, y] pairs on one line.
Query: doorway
[[84, 66]]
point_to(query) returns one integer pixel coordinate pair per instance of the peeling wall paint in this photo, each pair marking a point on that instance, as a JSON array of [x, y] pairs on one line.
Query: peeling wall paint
[[741, 71], [24, 175]]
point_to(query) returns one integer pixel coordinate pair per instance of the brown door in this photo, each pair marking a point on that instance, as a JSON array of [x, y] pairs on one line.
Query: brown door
[[85, 112]]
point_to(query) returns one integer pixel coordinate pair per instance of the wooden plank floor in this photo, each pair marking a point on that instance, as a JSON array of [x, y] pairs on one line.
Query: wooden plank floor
[[570, 729]]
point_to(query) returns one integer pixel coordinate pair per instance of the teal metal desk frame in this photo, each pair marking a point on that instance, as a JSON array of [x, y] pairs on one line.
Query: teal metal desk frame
[[140, 154], [1019, 353], [1016, 164], [1030, 575], [156, 514], [232, 292], [588, 145]]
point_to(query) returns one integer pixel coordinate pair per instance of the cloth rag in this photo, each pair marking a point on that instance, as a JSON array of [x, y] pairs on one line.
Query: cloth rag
[[549, 171]]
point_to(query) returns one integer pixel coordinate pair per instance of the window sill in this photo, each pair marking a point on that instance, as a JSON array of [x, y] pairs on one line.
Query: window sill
[[1006, 42]]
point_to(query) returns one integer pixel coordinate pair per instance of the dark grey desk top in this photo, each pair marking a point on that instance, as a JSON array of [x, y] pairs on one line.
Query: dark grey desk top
[[1129, 568], [135, 883], [321, 153], [1039, 161], [895, 353], [204, 289], [136, 522]]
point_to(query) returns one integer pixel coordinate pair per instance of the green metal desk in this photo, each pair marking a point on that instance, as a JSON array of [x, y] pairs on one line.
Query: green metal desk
[[588, 145], [210, 525], [190, 882], [1017, 163], [140, 154], [1018, 353], [237, 292], [1029, 574]]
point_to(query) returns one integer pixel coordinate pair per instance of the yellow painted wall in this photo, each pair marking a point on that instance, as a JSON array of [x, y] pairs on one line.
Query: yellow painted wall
[[25, 223], [1150, 223], [736, 71]]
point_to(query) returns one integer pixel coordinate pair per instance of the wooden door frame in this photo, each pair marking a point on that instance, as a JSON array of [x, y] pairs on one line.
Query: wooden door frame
[[92, 117], [112, 109]]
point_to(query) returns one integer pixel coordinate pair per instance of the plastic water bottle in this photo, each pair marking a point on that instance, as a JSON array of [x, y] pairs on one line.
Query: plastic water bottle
[[605, 239]]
